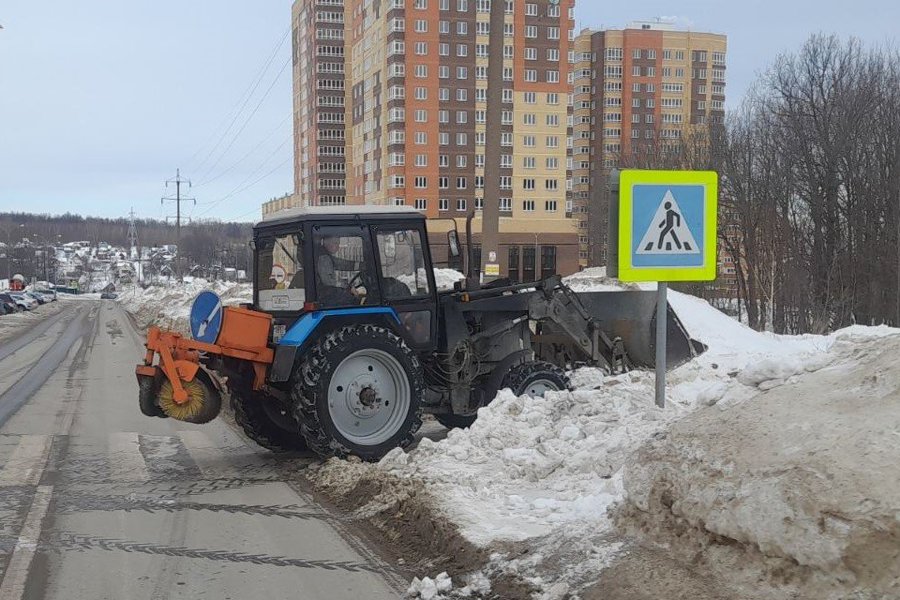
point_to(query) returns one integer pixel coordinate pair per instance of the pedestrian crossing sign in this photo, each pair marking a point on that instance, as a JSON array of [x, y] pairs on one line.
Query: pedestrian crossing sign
[[667, 225]]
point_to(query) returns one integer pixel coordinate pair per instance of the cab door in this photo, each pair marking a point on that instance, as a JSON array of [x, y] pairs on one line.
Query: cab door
[[407, 280]]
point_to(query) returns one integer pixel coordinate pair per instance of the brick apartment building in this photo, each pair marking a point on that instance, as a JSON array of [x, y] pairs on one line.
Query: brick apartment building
[[389, 108]]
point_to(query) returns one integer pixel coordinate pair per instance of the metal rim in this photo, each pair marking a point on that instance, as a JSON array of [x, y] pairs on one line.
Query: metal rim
[[539, 387], [369, 397]]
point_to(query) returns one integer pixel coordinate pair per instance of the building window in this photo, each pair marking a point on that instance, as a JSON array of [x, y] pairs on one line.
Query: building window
[[443, 204], [421, 204], [461, 205], [506, 205], [550, 205], [528, 205]]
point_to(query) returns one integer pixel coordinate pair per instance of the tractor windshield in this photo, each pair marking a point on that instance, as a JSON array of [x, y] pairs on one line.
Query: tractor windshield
[[280, 277]]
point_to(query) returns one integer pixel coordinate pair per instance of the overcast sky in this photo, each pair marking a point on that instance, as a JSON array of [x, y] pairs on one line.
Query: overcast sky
[[100, 102]]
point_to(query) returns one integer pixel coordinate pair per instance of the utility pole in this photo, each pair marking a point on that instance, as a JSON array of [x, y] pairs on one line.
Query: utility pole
[[178, 181], [490, 212], [132, 234]]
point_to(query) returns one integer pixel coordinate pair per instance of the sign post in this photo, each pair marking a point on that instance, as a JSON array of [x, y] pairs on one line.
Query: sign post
[[667, 232]]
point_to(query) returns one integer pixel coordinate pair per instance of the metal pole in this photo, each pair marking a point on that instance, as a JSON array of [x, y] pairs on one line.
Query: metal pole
[[178, 223], [662, 303], [490, 211]]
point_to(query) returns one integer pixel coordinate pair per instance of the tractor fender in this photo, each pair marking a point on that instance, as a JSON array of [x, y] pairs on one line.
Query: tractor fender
[[307, 327], [493, 383]]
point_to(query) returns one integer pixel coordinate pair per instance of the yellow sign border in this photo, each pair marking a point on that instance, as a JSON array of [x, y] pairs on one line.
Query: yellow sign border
[[631, 177]]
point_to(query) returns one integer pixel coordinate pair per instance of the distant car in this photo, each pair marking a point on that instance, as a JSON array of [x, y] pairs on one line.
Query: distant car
[[108, 296], [38, 297], [26, 302], [51, 294], [10, 304]]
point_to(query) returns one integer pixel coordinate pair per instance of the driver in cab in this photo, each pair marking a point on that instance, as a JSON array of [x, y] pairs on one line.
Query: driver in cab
[[327, 266]]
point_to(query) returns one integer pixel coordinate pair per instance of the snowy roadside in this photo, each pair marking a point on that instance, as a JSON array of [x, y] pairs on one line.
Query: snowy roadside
[[169, 305], [530, 483]]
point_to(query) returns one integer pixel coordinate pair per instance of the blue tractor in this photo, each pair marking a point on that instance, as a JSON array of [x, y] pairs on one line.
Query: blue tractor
[[354, 343]]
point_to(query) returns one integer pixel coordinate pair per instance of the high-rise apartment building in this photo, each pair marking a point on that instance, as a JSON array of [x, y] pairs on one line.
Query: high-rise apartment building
[[390, 101], [637, 91]]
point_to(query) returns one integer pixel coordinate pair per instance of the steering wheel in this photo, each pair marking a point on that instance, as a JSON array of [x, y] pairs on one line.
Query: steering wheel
[[356, 282]]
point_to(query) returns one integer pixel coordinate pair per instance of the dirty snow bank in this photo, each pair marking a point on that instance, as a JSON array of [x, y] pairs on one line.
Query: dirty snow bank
[[803, 480], [169, 305], [541, 473]]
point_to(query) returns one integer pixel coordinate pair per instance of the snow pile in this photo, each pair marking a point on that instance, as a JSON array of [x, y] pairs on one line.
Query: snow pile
[[543, 472], [803, 481], [441, 587], [445, 278], [169, 305]]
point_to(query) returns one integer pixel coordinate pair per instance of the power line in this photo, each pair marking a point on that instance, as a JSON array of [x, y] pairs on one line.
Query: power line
[[250, 176], [249, 118], [246, 96], [247, 155], [246, 187]]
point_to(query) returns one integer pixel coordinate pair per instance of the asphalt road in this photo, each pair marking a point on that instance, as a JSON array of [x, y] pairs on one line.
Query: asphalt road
[[98, 501]]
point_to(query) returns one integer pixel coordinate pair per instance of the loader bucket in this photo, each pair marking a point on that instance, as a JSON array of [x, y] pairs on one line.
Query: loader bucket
[[631, 316]]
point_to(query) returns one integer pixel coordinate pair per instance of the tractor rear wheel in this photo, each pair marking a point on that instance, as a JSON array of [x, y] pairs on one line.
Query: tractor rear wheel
[[264, 420], [527, 379], [358, 392]]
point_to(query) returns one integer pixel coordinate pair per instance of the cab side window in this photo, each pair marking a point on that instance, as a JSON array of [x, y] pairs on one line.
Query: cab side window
[[403, 273], [342, 277]]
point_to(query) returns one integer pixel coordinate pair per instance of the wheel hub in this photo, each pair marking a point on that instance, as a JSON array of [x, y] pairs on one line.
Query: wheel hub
[[539, 387], [368, 397]]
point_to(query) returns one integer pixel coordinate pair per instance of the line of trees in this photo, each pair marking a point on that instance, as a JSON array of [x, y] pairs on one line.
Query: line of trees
[[810, 172], [206, 244], [809, 199]]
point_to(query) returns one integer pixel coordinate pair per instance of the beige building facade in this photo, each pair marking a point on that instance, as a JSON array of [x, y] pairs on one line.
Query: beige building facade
[[636, 92]]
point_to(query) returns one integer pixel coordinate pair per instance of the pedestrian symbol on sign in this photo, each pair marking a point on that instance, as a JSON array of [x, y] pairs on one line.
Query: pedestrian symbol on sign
[[668, 232]]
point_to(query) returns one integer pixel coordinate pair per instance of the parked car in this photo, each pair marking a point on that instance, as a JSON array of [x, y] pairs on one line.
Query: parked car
[[10, 304], [3, 309], [108, 296], [37, 297], [24, 301], [50, 294]]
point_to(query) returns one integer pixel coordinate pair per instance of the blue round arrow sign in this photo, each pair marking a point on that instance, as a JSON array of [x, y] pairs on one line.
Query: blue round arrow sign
[[206, 317]]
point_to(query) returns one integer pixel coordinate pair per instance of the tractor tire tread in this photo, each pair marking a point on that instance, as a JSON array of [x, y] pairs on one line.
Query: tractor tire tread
[[308, 385], [256, 424], [519, 376]]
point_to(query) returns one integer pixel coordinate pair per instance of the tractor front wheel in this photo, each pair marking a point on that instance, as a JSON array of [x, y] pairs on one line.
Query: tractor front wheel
[[358, 392], [527, 379]]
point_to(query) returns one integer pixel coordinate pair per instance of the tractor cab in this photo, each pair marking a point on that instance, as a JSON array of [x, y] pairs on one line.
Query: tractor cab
[[334, 263]]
